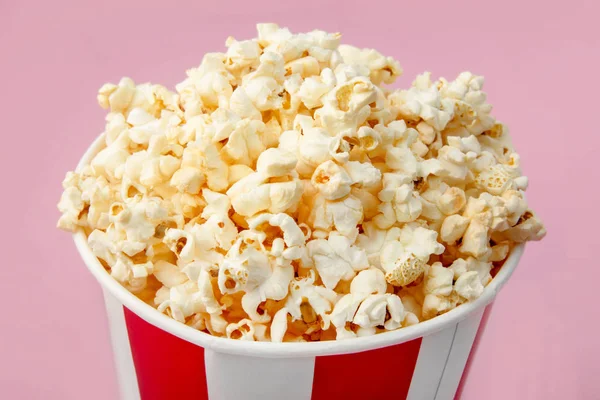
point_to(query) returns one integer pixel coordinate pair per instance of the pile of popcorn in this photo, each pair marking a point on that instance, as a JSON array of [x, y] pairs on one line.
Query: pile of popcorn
[[282, 193]]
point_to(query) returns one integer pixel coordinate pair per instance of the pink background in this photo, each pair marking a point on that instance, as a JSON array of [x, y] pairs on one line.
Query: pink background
[[541, 62]]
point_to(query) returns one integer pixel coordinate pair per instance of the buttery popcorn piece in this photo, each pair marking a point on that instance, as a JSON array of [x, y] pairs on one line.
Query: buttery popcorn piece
[[336, 258], [260, 191]]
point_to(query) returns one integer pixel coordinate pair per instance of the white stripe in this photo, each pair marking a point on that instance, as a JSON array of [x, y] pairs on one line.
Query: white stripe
[[429, 369], [459, 354], [122, 351], [235, 377]]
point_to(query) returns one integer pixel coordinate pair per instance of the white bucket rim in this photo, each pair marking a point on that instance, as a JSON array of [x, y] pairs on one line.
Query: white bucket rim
[[282, 350]]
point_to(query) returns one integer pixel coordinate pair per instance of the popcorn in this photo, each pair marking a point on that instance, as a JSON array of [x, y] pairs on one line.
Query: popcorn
[[336, 259], [211, 82], [241, 104], [311, 146], [458, 267], [373, 239], [394, 134], [305, 66], [500, 251], [323, 215], [275, 163], [271, 66], [347, 106], [331, 181], [203, 241], [263, 92], [469, 286], [515, 204], [369, 281], [363, 175], [246, 329], [102, 247], [483, 217], [247, 268], [399, 202], [476, 236], [471, 112], [139, 217], [144, 125], [255, 192], [372, 312], [453, 163], [109, 160], [369, 202], [205, 155], [168, 274], [71, 203], [368, 139], [345, 72], [241, 56], [126, 96], [528, 228], [282, 234], [436, 305], [453, 228], [282, 193], [423, 102], [367, 306], [438, 280], [132, 276], [482, 268], [406, 269], [217, 232], [313, 88], [188, 180], [237, 172], [451, 201], [186, 205], [180, 302], [381, 69], [412, 307], [404, 258], [308, 303], [151, 167], [497, 179], [402, 160], [245, 143]]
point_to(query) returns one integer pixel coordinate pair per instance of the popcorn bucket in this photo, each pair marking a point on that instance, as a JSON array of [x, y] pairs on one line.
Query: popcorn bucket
[[157, 357]]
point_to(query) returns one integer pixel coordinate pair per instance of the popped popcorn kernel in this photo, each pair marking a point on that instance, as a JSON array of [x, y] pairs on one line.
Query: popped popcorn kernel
[[381, 69], [407, 270], [261, 192], [283, 193]]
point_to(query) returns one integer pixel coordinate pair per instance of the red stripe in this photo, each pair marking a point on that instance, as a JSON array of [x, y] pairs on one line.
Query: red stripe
[[367, 375], [167, 367], [480, 331]]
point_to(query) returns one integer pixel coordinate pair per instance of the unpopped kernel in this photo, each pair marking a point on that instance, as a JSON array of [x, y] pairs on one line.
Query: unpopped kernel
[[283, 193]]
